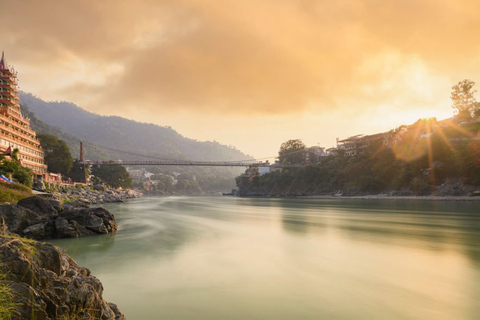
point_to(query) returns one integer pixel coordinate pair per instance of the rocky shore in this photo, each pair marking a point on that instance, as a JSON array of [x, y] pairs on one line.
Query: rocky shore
[[40, 281], [45, 283], [92, 195], [39, 218]]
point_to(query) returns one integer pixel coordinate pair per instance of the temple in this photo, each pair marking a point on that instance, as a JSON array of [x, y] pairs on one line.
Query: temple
[[15, 132]]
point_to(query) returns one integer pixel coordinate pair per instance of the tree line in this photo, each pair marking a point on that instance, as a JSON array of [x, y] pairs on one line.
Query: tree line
[[426, 154]]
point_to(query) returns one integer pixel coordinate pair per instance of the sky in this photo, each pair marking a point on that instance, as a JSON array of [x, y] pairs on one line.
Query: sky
[[250, 73]]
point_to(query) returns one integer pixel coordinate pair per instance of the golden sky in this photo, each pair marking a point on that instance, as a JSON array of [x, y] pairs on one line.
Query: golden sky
[[249, 73]]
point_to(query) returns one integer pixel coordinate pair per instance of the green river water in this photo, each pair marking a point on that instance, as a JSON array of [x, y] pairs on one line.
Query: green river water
[[250, 258]]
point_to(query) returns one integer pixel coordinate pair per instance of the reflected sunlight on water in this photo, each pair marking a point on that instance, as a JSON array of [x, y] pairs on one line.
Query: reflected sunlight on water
[[243, 258]]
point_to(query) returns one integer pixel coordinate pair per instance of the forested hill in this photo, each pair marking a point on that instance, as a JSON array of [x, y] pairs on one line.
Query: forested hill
[[122, 134], [92, 151]]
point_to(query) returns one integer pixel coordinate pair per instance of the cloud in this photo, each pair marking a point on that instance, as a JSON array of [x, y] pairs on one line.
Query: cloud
[[242, 57]]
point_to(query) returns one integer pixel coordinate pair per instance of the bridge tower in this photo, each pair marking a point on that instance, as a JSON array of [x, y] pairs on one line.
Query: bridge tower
[[81, 151]]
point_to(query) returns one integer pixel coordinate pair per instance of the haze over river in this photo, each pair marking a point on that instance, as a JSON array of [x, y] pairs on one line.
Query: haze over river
[[250, 258]]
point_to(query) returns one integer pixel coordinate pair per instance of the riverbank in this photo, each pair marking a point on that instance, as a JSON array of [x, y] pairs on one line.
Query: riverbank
[[39, 280], [450, 190], [92, 194], [387, 197]]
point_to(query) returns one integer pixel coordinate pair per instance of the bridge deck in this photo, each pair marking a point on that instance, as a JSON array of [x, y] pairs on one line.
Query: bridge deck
[[188, 163]]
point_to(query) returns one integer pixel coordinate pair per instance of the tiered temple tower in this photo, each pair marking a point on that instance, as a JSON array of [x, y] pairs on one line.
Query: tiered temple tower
[[15, 130]]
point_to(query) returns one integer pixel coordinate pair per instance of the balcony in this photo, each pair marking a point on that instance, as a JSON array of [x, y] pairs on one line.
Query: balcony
[[9, 101], [5, 92], [9, 87], [14, 133], [16, 116], [9, 79]]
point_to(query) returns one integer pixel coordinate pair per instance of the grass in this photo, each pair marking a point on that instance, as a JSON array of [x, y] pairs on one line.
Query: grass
[[13, 192], [7, 302], [8, 306], [80, 314]]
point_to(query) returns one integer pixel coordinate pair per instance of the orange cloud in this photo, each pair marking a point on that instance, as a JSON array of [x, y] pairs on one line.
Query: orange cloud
[[243, 57]]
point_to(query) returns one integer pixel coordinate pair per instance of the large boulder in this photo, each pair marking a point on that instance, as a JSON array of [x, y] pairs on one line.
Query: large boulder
[[41, 205], [36, 231], [97, 220], [18, 218], [40, 218], [47, 284]]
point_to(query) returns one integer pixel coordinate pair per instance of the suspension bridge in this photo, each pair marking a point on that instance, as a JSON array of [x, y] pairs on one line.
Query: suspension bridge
[[172, 162], [188, 163]]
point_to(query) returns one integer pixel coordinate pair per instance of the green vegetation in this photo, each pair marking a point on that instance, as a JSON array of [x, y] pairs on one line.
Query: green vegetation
[[426, 154], [79, 172], [13, 192], [7, 301], [414, 158], [57, 155], [104, 135], [291, 152], [15, 170], [464, 103], [81, 314], [113, 175], [143, 142]]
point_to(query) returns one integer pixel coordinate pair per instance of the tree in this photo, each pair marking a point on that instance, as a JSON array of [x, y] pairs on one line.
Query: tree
[[57, 155], [79, 172], [292, 152], [19, 173], [15, 154], [464, 103], [113, 175]]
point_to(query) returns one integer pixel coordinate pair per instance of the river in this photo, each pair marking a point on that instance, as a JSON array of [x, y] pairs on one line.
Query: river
[[251, 258]]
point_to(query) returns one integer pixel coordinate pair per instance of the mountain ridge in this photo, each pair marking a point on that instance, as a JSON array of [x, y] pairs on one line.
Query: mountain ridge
[[120, 133]]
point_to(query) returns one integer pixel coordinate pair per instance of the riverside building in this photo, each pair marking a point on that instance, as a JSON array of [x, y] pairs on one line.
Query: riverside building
[[15, 130]]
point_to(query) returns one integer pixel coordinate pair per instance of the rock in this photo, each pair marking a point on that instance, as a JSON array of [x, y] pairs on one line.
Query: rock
[[118, 314], [36, 231], [57, 205], [95, 224], [39, 205], [98, 187], [46, 219], [46, 283], [18, 218], [63, 229], [39, 185]]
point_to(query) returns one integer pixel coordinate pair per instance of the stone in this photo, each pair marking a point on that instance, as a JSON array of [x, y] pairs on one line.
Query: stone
[[18, 218], [95, 224], [36, 231], [57, 205], [48, 284], [39, 205], [63, 229]]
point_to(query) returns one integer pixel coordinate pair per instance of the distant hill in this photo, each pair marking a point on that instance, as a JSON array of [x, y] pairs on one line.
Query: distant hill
[[93, 151], [72, 123]]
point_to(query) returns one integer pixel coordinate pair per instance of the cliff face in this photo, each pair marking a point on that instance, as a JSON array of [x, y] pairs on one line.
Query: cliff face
[[48, 284]]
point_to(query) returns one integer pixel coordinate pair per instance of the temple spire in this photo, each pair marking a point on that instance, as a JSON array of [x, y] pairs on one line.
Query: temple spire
[[3, 64]]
